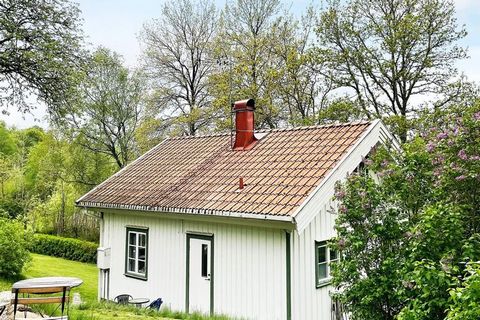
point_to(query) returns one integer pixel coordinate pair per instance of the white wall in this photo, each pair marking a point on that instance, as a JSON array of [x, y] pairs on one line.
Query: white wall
[[249, 262], [308, 302]]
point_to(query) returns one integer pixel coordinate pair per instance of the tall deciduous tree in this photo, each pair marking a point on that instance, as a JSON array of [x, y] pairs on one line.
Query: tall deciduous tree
[[247, 39], [178, 61], [388, 51], [105, 113], [39, 51], [302, 81]]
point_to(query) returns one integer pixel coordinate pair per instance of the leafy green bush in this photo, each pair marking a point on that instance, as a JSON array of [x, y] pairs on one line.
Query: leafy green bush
[[68, 248], [12, 207], [465, 300], [13, 247]]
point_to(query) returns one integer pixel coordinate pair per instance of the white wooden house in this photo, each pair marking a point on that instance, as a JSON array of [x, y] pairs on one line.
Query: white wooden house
[[230, 224]]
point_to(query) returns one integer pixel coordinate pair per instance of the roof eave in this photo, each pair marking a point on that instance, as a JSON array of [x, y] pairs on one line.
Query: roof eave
[[80, 200], [192, 211]]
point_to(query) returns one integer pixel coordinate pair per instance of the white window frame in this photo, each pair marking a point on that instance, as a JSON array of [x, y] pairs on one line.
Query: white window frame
[[321, 280], [138, 232]]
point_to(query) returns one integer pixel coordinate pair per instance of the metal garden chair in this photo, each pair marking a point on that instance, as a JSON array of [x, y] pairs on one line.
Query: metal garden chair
[[123, 298], [156, 304]]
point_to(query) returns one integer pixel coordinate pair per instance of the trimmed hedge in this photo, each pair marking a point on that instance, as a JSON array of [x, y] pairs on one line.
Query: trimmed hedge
[[67, 248]]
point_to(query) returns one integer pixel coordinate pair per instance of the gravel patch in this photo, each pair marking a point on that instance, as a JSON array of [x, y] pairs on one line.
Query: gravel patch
[[5, 297]]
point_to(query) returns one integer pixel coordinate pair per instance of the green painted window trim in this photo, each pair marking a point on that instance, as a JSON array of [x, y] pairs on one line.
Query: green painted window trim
[[322, 282], [187, 269], [130, 274]]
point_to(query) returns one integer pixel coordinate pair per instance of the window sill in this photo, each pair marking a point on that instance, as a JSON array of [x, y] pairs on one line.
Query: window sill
[[135, 276], [323, 283]]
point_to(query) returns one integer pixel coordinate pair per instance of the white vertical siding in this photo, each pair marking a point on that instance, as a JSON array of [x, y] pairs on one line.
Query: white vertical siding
[[308, 302], [165, 254], [249, 264]]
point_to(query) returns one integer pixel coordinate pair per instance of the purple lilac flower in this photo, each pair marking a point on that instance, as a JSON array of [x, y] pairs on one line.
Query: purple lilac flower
[[475, 158], [461, 178], [343, 209], [454, 166], [442, 135], [340, 194], [368, 162], [430, 147], [455, 130], [476, 116], [438, 160], [462, 155]]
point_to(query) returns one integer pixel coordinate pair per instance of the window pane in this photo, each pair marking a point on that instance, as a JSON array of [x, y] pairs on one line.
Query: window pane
[[131, 252], [204, 260], [131, 265], [143, 239], [322, 254], [141, 253], [333, 255], [132, 238], [322, 271], [141, 266]]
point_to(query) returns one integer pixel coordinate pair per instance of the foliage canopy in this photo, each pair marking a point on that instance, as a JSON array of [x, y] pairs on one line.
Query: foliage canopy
[[40, 52]]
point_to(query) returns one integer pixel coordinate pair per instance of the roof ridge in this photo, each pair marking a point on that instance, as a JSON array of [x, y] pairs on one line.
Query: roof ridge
[[312, 127], [208, 135], [318, 126]]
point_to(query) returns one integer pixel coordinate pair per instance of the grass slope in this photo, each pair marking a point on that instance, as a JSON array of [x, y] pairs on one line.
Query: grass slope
[[45, 266]]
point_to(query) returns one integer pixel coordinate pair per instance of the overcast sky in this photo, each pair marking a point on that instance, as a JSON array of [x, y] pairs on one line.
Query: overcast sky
[[115, 24]]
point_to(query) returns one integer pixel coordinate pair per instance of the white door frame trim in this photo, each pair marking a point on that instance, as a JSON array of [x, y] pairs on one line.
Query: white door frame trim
[[187, 268]]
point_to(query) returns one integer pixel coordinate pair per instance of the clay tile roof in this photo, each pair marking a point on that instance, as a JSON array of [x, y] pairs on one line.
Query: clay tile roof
[[192, 173]]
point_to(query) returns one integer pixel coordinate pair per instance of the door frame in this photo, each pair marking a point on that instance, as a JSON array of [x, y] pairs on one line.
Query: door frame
[[187, 271]]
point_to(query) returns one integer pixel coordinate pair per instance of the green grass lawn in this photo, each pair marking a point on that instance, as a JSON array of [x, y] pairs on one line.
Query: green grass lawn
[[46, 266]]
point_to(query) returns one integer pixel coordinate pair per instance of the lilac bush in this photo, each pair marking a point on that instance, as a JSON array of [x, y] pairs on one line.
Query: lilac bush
[[410, 236]]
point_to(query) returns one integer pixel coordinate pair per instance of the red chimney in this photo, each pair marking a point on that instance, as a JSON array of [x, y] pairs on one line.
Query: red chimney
[[244, 124]]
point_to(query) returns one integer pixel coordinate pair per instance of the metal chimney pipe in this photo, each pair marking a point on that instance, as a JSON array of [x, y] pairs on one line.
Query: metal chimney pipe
[[244, 124]]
